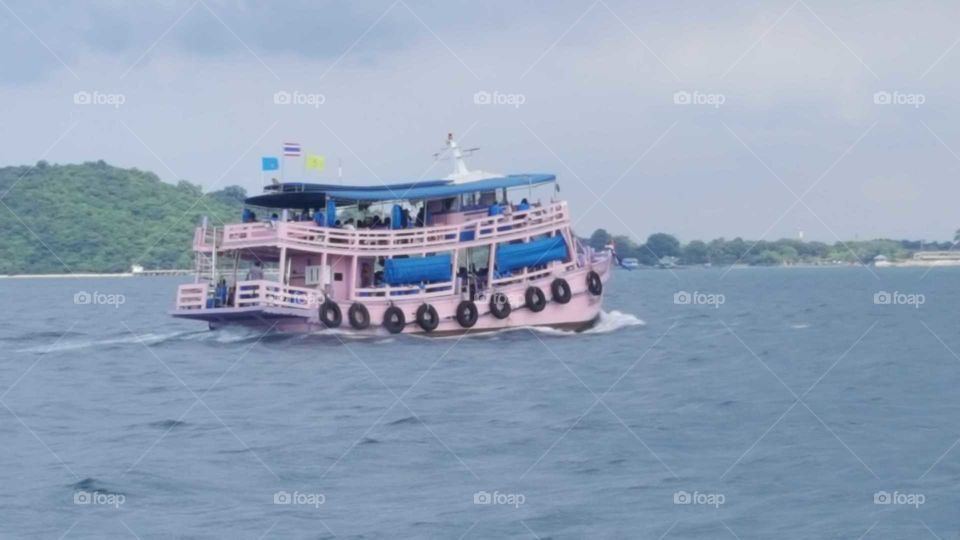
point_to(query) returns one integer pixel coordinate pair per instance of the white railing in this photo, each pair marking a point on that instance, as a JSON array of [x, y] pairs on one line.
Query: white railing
[[262, 293], [258, 293], [192, 295], [445, 288], [503, 227]]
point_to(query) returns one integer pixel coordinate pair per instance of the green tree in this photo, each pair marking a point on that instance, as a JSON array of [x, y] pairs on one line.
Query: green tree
[[599, 239], [663, 245], [695, 252]]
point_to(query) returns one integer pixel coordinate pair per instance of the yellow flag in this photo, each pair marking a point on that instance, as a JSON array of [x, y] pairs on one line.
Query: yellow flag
[[316, 162]]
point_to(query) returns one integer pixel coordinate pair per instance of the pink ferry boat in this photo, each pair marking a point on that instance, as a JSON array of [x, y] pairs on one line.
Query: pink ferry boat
[[437, 257]]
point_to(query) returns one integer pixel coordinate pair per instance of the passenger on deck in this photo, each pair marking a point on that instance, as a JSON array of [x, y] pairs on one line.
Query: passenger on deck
[[255, 272], [524, 205], [406, 220], [386, 223], [349, 225]]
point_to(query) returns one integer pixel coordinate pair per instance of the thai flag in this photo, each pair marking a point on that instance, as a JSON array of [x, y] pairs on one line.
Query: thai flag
[[291, 149]]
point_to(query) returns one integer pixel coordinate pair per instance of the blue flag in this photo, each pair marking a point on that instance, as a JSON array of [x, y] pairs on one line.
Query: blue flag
[[269, 163]]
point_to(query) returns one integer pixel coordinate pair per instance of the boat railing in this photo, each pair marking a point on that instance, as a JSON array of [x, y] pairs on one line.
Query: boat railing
[[205, 237], [263, 293], [526, 275], [429, 290], [367, 240], [254, 293], [192, 295], [509, 226]]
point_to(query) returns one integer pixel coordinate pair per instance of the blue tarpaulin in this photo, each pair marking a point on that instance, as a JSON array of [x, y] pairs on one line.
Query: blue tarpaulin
[[417, 269], [537, 252]]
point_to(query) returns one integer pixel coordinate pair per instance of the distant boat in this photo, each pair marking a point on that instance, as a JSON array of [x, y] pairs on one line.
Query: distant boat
[[630, 263]]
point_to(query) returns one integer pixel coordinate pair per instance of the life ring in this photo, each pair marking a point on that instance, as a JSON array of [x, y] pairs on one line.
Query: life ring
[[330, 314], [427, 317], [535, 298], [394, 320], [467, 314], [500, 305], [560, 291], [359, 316], [594, 285]]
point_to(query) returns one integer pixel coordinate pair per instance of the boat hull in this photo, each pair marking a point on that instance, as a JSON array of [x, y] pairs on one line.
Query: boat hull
[[578, 314]]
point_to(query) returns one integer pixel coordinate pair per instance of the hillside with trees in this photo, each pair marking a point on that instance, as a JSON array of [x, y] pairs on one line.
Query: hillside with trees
[[94, 217], [721, 251]]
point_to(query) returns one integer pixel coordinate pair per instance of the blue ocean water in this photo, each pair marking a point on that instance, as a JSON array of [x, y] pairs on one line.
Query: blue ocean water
[[758, 403]]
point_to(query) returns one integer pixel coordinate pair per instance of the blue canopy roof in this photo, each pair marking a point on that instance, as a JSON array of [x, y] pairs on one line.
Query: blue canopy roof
[[302, 195]]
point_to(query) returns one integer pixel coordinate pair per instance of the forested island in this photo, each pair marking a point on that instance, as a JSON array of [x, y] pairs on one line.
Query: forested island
[[93, 217], [663, 249]]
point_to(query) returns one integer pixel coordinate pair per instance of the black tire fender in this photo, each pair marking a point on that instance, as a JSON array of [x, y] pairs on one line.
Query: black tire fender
[[594, 284], [394, 320], [330, 314], [500, 305], [467, 314], [427, 318], [560, 291], [359, 316], [535, 298]]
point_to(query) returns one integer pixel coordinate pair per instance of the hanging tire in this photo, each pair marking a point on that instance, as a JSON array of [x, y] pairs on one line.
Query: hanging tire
[[359, 316], [594, 285], [394, 320], [330, 314], [427, 318], [560, 291], [535, 298], [500, 305], [467, 314]]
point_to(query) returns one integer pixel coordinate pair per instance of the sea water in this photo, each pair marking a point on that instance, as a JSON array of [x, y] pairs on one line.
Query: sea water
[[707, 403]]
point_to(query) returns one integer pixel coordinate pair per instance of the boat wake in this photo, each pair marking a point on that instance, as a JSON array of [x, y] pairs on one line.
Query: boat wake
[[608, 322]]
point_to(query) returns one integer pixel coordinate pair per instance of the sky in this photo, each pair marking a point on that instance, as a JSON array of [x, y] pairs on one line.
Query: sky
[[701, 119]]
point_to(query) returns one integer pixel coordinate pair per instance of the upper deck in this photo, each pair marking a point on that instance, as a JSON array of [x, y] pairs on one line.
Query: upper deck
[[472, 228]]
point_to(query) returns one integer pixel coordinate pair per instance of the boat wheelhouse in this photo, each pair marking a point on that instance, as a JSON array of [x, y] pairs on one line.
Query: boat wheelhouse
[[471, 252]]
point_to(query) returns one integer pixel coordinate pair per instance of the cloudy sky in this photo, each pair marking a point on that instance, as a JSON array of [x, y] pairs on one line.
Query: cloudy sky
[[703, 119]]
